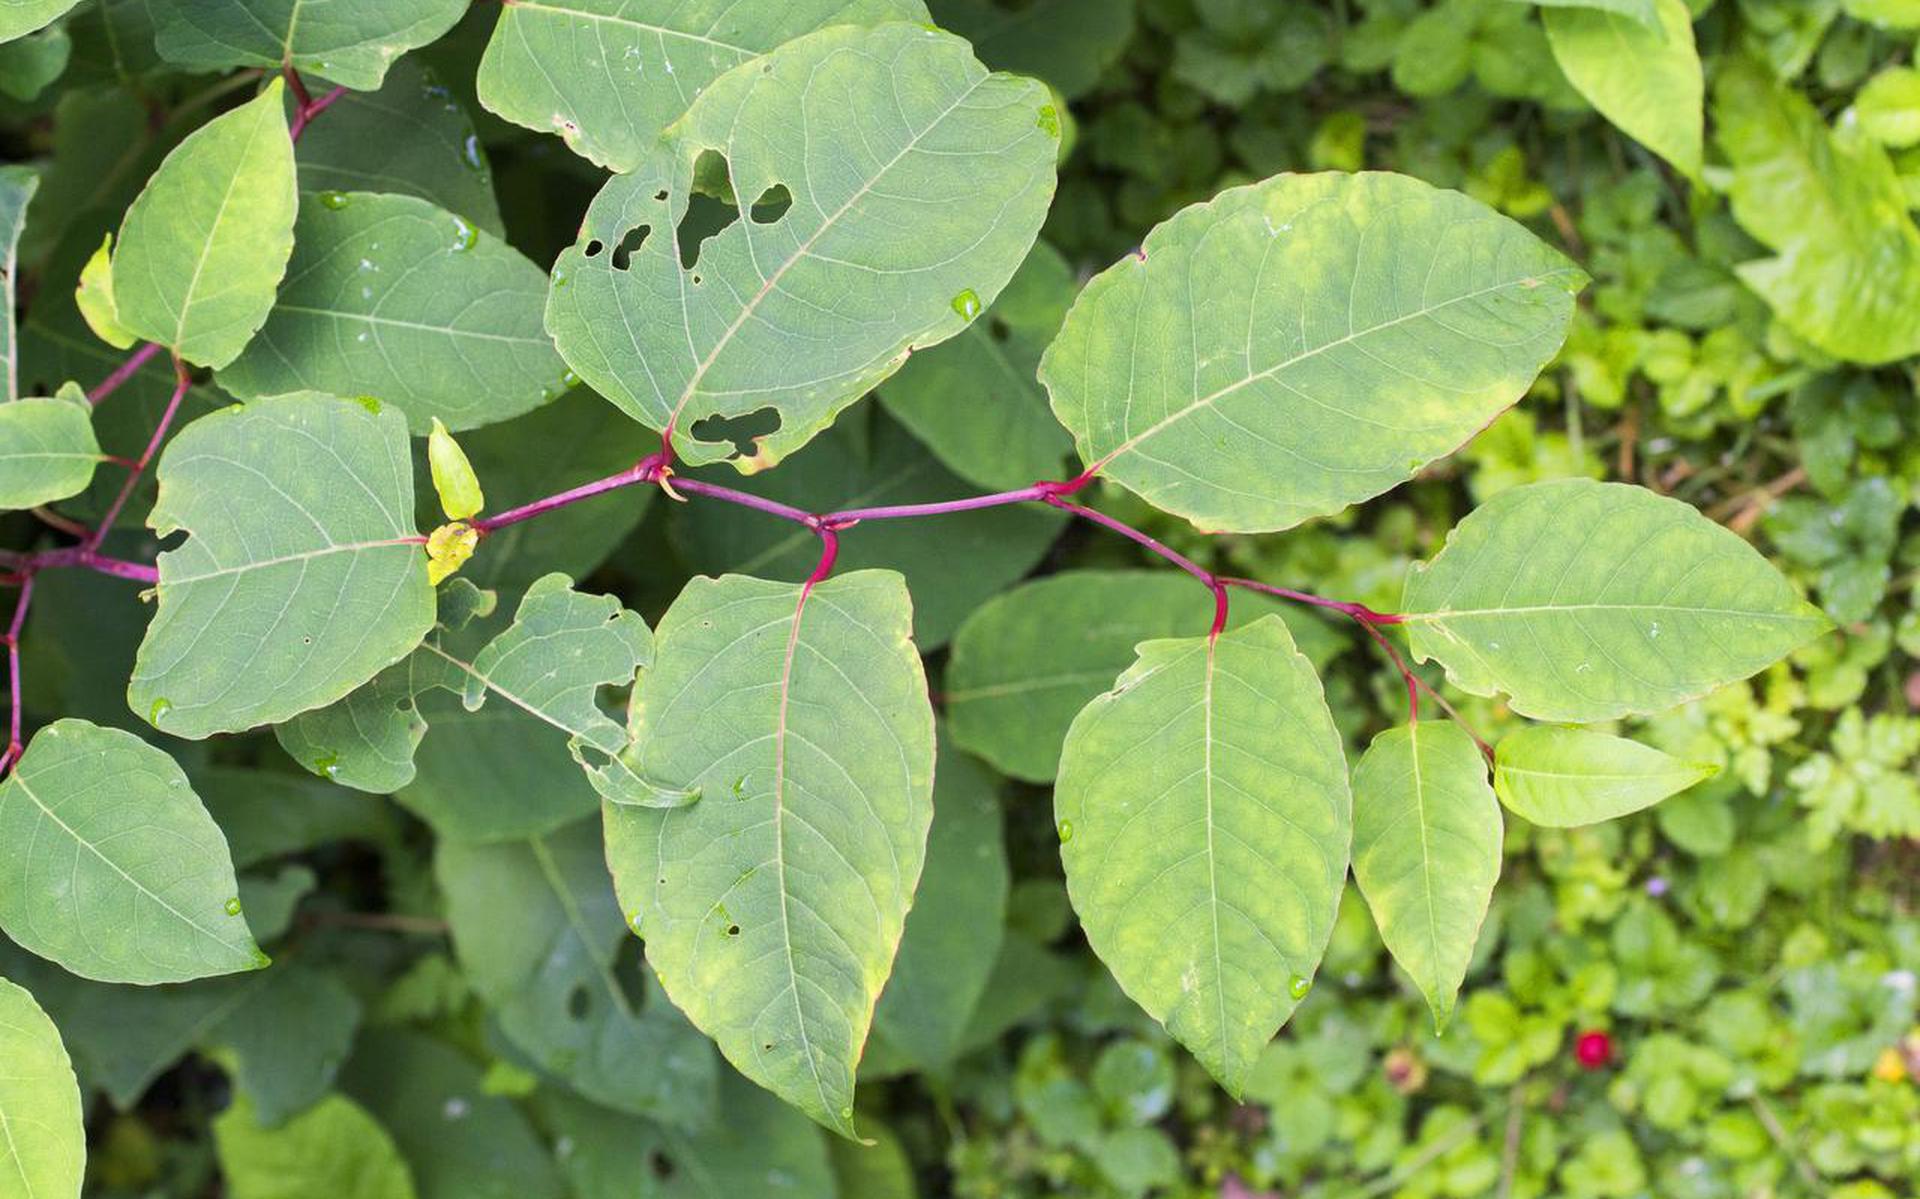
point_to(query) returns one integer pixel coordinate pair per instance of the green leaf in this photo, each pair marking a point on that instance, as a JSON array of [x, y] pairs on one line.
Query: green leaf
[[1563, 778], [206, 243], [1068, 43], [284, 1075], [1204, 824], [46, 1145], [959, 913], [351, 42], [772, 908], [1647, 12], [1830, 205], [94, 297], [1298, 345], [952, 563], [1027, 660], [461, 1142], [1643, 76], [1888, 107], [21, 17], [410, 138], [1426, 851], [391, 297], [974, 400], [367, 740], [47, 449], [17, 185], [538, 930], [609, 75], [112, 867], [335, 1148], [1588, 601], [319, 587], [494, 775], [943, 175], [31, 65], [453, 478]]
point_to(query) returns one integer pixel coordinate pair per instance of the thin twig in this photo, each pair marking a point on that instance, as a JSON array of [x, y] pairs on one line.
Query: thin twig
[[181, 382]]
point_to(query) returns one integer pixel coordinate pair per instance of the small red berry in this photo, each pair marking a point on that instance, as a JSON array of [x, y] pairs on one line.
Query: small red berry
[[1593, 1050]]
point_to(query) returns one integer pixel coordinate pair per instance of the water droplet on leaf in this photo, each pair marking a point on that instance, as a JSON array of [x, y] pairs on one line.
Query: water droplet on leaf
[[1066, 831], [967, 304], [334, 200], [1049, 120], [1299, 985], [370, 403], [470, 152], [160, 708], [328, 765], [233, 907], [464, 235]]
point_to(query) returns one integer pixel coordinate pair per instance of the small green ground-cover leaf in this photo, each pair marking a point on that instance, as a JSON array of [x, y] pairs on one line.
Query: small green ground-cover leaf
[[1563, 777], [392, 297], [772, 907], [21, 17], [1204, 820], [206, 243], [1304, 343], [1426, 851], [609, 75], [112, 866], [301, 577], [1587, 601], [348, 41], [1027, 660], [1645, 78], [334, 1148], [47, 449], [538, 931], [17, 186], [826, 279], [974, 400], [44, 1152]]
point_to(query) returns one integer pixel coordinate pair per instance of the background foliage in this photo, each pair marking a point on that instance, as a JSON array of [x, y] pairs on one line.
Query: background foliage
[[1714, 998]]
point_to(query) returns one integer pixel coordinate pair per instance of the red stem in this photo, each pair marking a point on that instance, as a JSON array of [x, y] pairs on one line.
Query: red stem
[[181, 382], [20, 605], [126, 370], [1359, 612]]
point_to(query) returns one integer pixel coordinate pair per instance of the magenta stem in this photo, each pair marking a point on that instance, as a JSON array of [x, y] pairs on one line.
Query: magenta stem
[[644, 471], [1359, 612], [126, 370], [20, 605], [1137, 537], [181, 382], [714, 491]]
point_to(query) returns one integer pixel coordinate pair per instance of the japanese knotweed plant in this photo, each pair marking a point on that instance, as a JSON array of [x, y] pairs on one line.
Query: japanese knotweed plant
[[849, 202]]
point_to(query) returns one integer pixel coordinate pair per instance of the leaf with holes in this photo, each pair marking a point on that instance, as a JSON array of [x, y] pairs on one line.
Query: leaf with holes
[[17, 185], [45, 1147], [1588, 601], [823, 280], [974, 400], [206, 243], [609, 75], [391, 297], [773, 906], [351, 42], [1563, 777], [1426, 851], [1298, 345], [301, 576], [538, 933], [1204, 823], [21, 17], [111, 865], [1644, 77], [47, 449], [1027, 660]]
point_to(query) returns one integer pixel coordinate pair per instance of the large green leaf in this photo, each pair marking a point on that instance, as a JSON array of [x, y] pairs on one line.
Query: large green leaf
[[952, 563], [348, 41], [21, 17], [1563, 777], [44, 1151], [1645, 78], [1026, 661], [1204, 823], [335, 1148], [538, 930], [410, 138], [1301, 344], [1588, 601], [1068, 43], [205, 244], [974, 401], [47, 449], [1831, 206], [939, 176], [959, 913], [284, 1075], [772, 907], [1426, 851], [609, 75], [300, 577], [17, 185], [1644, 11], [391, 297], [112, 867]]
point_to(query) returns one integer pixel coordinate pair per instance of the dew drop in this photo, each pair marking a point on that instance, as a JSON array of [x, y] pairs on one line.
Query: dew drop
[[1654, 633], [464, 235], [846, 1113], [456, 1109], [233, 906], [1049, 120], [967, 304], [569, 381], [1299, 985], [470, 152], [1584, 668], [1066, 831], [334, 200], [559, 278], [327, 764], [160, 708], [370, 403]]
